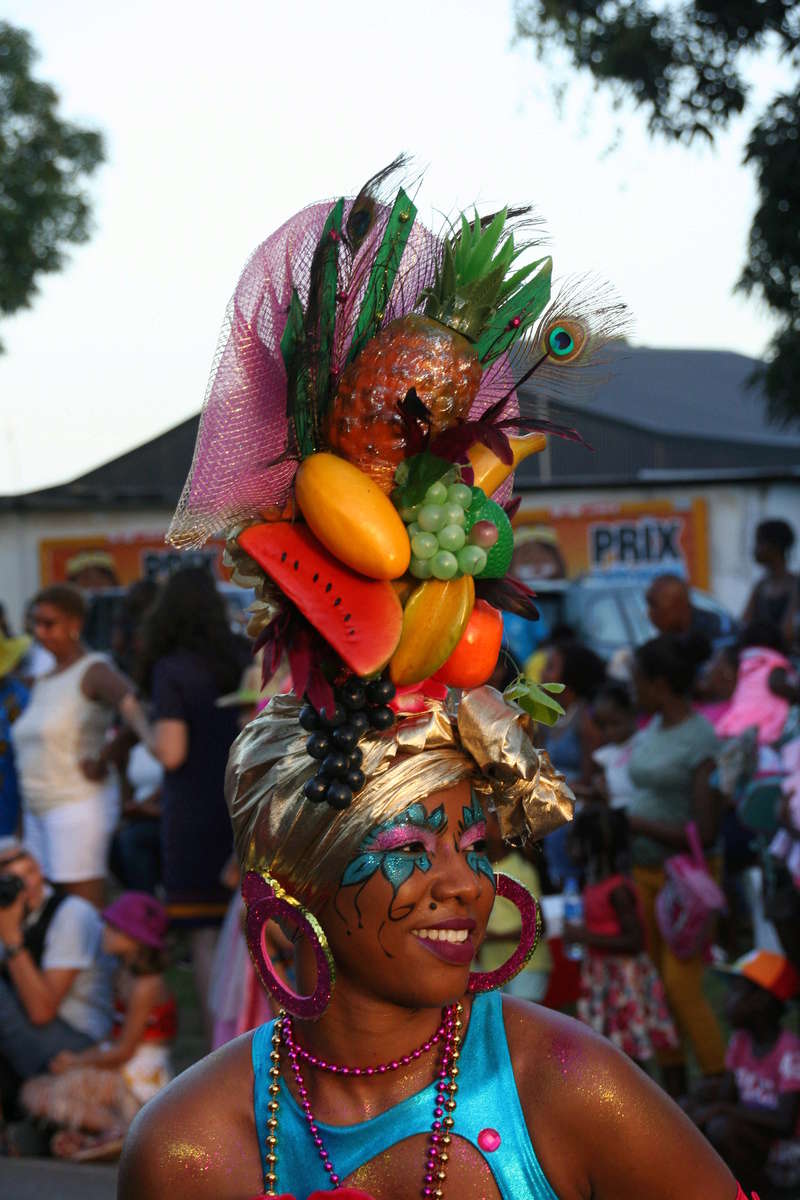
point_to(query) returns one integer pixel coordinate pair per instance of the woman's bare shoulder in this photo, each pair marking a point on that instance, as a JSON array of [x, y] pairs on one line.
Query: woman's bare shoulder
[[196, 1139], [627, 1139]]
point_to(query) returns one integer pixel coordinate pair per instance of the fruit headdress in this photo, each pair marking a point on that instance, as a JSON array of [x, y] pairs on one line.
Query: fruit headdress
[[358, 440]]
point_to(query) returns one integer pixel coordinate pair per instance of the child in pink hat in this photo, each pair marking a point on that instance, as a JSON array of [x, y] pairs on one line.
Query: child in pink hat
[[95, 1094]]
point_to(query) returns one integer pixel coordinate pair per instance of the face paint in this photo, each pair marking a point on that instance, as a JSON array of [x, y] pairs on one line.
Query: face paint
[[471, 832], [398, 847]]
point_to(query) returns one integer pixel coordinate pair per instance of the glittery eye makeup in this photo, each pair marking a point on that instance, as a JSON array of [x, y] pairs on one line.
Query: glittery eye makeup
[[398, 847], [472, 833], [403, 837], [475, 833]]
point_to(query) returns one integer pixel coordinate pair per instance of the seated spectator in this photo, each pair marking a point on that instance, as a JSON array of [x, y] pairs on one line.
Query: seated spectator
[[614, 715], [13, 698], [751, 1115], [93, 1094], [670, 608], [55, 979]]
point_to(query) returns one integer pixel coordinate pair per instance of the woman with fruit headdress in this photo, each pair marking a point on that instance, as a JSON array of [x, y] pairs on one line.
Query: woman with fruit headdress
[[358, 439]]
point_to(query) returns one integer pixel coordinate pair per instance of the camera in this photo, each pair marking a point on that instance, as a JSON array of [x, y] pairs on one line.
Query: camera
[[10, 888]]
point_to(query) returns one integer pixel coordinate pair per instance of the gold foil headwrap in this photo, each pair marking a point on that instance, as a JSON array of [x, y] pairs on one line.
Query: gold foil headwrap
[[530, 797], [306, 846]]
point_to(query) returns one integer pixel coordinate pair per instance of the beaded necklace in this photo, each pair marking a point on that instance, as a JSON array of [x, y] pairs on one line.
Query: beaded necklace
[[394, 1065], [444, 1105]]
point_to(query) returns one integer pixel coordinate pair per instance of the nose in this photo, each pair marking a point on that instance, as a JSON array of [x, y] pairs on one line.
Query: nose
[[454, 879]]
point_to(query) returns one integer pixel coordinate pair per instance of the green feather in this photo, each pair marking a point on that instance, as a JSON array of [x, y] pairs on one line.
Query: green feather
[[322, 312], [527, 303], [298, 408], [384, 270]]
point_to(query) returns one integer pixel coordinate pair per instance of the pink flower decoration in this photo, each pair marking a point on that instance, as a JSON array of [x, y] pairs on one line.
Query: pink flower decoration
[[414, 697]]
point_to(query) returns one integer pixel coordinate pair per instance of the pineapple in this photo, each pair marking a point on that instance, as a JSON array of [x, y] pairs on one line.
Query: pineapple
[[435, 352]]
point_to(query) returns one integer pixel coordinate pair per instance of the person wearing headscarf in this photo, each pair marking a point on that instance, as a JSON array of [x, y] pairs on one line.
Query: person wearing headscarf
[[358, 443]]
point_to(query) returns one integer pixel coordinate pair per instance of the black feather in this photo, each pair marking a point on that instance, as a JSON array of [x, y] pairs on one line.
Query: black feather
[[365, 206]]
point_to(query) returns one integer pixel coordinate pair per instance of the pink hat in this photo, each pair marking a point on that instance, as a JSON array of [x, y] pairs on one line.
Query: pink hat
[[141, 916]]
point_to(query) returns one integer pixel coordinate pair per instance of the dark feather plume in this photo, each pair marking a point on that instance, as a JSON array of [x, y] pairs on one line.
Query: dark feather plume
[[365, 206]]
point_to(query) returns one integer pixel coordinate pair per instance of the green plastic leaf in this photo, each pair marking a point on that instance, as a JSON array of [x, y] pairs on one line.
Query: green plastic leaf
[[482, 254], [384, 269], [297, 393], [555, 689], [535, 700], [423, 470], [528, 304], [328, 286]]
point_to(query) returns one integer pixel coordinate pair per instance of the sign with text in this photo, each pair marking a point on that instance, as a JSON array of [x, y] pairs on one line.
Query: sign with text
[[96, 562], [640, 539]]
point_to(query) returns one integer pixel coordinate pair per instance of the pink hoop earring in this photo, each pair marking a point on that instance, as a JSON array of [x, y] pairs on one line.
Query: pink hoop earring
[[266, 899], [510, 889]]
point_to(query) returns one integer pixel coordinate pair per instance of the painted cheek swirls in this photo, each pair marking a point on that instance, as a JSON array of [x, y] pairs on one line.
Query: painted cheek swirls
[[390, 847], [472, 830]]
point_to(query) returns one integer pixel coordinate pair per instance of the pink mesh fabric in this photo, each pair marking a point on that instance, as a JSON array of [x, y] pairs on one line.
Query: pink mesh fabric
[[244, 461]]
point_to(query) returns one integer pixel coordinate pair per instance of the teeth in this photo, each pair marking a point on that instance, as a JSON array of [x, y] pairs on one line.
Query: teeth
[[442, 935]]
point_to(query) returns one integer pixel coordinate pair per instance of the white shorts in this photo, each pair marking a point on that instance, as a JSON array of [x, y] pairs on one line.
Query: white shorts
[[71, 842]]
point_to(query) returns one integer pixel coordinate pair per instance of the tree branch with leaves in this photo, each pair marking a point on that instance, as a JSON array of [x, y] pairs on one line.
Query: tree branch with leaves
[[684, 64], [43, 161]]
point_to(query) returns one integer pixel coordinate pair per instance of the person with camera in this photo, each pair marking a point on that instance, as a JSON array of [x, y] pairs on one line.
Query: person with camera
[[55, 980]]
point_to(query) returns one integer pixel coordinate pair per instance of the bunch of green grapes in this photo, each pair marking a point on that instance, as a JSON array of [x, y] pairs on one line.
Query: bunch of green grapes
[[440, 548]]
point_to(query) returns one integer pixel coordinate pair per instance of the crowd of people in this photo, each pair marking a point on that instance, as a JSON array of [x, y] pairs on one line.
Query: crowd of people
[[684, 756]]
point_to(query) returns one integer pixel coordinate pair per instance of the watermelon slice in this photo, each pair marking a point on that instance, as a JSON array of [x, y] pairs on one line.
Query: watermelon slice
[[361, 618]]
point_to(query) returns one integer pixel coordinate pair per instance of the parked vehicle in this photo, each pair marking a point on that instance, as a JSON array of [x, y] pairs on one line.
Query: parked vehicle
[[608, 614]]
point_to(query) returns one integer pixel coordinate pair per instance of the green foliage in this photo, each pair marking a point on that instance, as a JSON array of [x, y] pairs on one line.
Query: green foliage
[[42, 161], [684, 63], [536, 699]]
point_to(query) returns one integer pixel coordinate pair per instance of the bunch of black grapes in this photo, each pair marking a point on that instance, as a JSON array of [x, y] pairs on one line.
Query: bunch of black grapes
[[334, 736]]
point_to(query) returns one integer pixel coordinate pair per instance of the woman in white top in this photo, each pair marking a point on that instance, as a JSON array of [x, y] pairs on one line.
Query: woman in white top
[[69, 800]]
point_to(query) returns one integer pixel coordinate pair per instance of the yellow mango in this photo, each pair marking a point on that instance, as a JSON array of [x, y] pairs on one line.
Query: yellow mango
[[352, 517], [434, 619], [490, 471]]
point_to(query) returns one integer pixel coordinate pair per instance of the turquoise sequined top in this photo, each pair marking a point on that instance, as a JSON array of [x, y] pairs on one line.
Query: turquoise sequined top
[[487, 1100]]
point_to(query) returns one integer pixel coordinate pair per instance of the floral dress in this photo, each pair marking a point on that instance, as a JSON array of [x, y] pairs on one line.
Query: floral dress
[[622, 996]]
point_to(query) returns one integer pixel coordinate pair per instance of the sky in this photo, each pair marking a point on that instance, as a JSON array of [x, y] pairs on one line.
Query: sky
[[222, 120]]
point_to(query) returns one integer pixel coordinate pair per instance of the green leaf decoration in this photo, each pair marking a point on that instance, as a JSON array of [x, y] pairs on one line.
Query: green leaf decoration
[[528, 303], [298, 407], [325, 306], [482, 255], [423, 470], [536, 699], [384, 270]]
